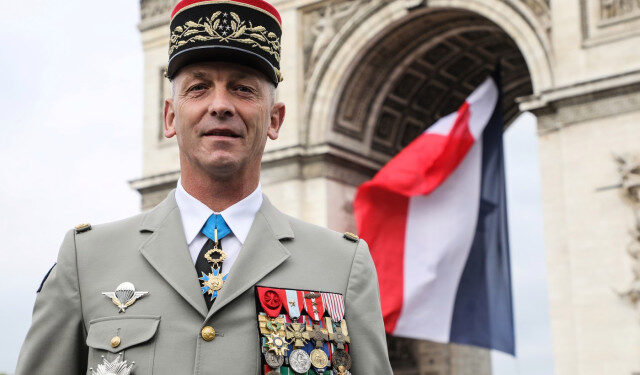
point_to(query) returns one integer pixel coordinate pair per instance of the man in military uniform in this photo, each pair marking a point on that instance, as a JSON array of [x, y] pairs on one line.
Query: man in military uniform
[[214, 280]]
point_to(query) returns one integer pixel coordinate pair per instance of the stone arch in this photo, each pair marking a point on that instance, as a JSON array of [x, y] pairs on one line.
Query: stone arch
[[395, 67], [403, 32]]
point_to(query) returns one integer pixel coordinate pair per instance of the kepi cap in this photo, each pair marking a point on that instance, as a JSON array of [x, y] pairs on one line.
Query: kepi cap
[[246, 32]]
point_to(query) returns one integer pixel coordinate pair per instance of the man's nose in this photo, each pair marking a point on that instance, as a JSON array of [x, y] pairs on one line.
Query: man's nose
[[220, 104]]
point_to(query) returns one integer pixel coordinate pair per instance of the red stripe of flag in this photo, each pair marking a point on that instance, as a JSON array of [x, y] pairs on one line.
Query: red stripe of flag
[[381, 204]]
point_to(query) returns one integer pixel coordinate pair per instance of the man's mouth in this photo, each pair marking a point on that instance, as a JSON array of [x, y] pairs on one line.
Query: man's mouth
[[222, 133]]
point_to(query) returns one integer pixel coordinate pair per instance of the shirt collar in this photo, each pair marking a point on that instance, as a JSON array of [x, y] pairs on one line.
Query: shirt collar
[[239, 216]]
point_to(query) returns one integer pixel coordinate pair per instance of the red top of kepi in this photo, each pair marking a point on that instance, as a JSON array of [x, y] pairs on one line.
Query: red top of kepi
[[256, 3]]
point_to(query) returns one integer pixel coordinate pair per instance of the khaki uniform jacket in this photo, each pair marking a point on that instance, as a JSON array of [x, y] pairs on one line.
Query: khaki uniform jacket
[[73, 323]]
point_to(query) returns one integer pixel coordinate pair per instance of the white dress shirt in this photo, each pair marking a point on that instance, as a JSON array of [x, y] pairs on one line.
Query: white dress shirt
[[238, 217]]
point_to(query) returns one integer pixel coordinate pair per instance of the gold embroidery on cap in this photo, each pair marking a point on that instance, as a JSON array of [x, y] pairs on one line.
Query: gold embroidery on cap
[[278, 75], [223, 28]]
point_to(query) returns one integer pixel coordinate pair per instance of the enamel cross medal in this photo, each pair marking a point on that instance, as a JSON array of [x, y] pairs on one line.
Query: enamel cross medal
[[213, 282]]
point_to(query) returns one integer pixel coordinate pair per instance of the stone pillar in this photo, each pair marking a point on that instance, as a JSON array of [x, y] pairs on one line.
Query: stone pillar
[[582, 130], [416, 357]]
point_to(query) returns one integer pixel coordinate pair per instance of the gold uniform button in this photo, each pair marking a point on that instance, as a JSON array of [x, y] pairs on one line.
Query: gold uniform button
[[208, 333], [115, 341]]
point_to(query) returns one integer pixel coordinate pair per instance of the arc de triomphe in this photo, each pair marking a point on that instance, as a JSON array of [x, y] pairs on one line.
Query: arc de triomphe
[[364, 77]]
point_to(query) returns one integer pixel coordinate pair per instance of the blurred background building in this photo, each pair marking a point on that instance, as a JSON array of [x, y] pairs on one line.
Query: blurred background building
[[364, 77]]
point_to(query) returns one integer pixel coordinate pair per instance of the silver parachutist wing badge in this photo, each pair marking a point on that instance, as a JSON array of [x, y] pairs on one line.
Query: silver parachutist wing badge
[[115, 367], [125, 295]]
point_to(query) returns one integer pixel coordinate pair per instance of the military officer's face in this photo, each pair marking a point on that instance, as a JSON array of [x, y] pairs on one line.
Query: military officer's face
[[222, 114]]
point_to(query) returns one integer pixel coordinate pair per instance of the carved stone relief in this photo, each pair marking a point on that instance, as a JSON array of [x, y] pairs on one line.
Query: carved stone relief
[[151, 8], [541, 9], [609, 20], [322, 23], [611, 9], [629, 168]]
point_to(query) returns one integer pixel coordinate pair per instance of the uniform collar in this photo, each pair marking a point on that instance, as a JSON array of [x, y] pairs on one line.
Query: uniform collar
[[238, 216]]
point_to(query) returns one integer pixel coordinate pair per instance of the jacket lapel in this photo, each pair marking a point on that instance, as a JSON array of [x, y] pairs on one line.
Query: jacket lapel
[[166, 250], [261, 253]]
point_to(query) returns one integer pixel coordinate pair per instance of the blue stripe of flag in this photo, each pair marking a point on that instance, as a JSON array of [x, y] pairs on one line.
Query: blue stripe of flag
[[483, 312]]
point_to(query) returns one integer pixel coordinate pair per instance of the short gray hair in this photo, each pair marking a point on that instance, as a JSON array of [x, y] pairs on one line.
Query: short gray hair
[[273, 92]]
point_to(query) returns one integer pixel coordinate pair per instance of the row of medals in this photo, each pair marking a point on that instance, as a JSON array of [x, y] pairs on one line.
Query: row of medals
[[279, 335]]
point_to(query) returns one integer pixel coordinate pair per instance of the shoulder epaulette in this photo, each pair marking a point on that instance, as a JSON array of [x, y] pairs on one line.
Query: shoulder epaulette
[[83, 227], [351, 237]]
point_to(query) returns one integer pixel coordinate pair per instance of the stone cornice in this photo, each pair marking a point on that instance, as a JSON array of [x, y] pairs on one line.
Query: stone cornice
[[160, 20], [155, 13], [292, 163], [577, 90], [319, 161], [574, 104], [147, 182]]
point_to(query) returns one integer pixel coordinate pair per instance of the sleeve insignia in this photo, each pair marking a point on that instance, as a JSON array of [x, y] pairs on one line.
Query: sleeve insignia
[[45, 278]]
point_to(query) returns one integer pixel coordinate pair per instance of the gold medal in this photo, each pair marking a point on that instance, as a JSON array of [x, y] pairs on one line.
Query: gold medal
[[297, 334], [212, 283], [277, 344], [270, 325], [319, 358]]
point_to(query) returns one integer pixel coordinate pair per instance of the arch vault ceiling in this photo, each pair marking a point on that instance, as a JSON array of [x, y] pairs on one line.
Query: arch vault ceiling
[[423, 69]]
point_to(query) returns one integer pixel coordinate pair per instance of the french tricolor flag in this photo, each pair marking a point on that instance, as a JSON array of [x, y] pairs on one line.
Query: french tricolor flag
[[436, 222]]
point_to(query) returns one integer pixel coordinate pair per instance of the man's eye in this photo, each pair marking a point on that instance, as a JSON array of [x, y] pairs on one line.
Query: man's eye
[[198, 87], [245, 89]]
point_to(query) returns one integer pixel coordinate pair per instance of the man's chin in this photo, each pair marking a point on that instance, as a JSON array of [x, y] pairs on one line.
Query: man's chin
[[223, 168]]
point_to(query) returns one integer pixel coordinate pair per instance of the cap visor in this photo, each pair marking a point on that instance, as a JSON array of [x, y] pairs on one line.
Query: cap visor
[[221, 53]]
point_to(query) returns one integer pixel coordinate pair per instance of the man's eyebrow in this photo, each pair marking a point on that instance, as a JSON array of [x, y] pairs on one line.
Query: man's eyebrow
[[243, 75], [198, 75], [234, 76]]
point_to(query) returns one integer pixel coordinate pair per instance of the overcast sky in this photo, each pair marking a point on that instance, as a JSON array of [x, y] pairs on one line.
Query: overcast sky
[[72, 75]]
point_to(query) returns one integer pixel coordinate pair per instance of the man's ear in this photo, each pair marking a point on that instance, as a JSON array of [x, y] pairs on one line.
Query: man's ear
[[169, 118], [277, 117]]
